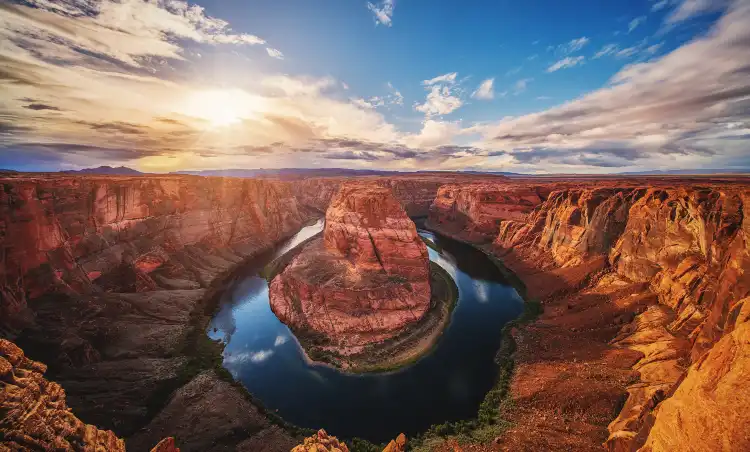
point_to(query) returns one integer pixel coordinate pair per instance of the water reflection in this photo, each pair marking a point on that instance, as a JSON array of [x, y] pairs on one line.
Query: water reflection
[[447, 384]]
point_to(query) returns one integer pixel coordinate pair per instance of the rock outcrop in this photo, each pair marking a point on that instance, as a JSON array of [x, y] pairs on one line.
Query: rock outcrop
[[364, 281], [323, 442], [34, 413], [473, 212], [634, 278], [132, 234], [416, 193], [106, 280]]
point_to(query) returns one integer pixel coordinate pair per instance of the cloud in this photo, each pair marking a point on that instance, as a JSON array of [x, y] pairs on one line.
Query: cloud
[[608, 49], [383, 12], [691, 8], [485, 90], [659, 5], [573, 46], [443, 97], [445, 78], [274, 53], [626, 52], [689, 107], [635, 23], [521, 85], [128, 32], [41, 107], [392, 98], [280, 340], [565, 63], [642, 49]]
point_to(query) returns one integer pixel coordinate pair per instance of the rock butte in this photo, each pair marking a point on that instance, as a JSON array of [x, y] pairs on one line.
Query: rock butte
[[366, 280], [644, 342]]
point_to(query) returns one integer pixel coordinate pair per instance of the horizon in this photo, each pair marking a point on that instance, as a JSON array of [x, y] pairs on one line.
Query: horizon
[[391, 85]]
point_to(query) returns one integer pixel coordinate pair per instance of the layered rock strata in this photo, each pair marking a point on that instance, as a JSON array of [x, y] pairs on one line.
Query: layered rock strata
[[132, 234], [416, 193], [474, 212], [107, 280], [364, 281], [640, 284], [34, 413]]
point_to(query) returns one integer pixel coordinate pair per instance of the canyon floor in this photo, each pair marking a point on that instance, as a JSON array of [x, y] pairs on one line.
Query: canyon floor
[[643, 342]]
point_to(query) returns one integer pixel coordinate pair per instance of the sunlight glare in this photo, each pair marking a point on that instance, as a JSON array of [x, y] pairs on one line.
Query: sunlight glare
[[221, 107]]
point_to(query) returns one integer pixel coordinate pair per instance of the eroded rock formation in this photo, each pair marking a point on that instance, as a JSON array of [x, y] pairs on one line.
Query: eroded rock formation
[[642, 288], [106, 280], [473, 212], [132, 234], [416, 193], [34, 413], [365, 280]]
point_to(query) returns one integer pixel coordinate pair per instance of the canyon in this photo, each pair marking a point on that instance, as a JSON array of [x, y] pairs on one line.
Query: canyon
[[365, 281], [643, 342]]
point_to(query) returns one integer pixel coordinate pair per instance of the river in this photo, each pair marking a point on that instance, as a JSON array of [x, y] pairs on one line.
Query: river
[[447, 384]]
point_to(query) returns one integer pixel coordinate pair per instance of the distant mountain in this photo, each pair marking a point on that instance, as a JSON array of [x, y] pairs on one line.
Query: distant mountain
[[287, 173], [301, 173], [683, 172], [106, 170], [496, 173]]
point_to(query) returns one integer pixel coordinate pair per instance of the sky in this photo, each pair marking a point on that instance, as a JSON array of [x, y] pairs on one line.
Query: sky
[[537, 86]]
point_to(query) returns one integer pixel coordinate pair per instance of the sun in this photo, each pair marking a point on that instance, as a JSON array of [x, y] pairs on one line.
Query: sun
[[222, 108]]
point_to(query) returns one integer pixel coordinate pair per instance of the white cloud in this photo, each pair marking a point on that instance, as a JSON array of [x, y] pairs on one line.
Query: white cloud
[[659, 5], [280, 340], [609, 49], [126, 31], [574, 45], [689, 108], [654, 48], [485, 90], [690, 8], [626, 52], [440, 101], [635, 23], [383, 12], [394, 97], [445, 78], [275, 53], [565, 63], [443, 97], [434, 133]]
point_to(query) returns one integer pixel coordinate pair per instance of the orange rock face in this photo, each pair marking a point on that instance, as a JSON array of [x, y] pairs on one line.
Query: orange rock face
[[365, 280], [474, 212], [415, 193], [708, 411], [677, 258], [133, 234], [35, 416]]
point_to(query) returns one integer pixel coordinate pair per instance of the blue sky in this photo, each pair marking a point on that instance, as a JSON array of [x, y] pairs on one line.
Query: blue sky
[[538, 86]]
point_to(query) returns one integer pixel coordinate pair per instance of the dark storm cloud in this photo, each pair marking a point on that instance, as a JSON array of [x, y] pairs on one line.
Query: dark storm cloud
[[60, 150], [127, 128], [41, 107]]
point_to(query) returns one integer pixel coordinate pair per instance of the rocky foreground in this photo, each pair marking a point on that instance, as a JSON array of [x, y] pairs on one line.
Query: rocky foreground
[[365, 281]]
